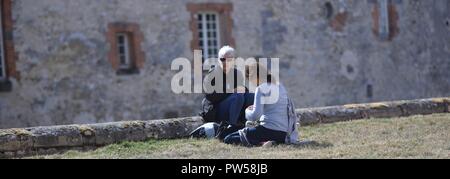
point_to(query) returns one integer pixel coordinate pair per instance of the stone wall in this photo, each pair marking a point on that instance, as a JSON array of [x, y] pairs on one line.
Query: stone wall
[[49, 140], [331, 54]]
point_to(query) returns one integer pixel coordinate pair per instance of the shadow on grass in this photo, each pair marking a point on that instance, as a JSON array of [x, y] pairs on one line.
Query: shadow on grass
[[312, 144]]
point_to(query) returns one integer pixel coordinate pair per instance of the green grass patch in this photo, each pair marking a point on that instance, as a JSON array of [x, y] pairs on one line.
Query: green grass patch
[[411, 137]]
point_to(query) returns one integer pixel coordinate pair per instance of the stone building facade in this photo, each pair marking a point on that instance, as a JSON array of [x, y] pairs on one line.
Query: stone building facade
[[84, 61]]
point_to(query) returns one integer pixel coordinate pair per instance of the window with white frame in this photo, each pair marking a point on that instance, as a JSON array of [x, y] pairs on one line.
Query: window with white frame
[[209, 34], [123, 45], [2, 53]]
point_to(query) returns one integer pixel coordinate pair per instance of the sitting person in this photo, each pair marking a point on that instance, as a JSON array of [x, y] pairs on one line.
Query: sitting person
[[273, 115], [226, 107]]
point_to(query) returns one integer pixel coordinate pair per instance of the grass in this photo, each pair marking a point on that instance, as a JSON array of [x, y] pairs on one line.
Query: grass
[[412, 137]]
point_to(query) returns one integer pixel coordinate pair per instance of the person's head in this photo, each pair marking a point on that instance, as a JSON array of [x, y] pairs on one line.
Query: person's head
[[258, 74], [226, 58]]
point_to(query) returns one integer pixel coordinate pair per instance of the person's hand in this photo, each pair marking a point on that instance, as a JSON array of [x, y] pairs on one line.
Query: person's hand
[[251, 124]]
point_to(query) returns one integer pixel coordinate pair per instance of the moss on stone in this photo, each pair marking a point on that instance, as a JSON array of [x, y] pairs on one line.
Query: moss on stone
[[353, 106], [3, 133], [16, 132], [441, 100], [22, 132], [438, 100], [133, 124], [86, 130], [378, 105]]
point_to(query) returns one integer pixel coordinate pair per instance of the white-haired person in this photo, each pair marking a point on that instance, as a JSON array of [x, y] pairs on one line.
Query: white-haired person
[[226, 106]]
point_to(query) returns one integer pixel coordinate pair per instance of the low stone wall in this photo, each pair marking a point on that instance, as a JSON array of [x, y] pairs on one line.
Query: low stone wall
[[53, 139], [373, 110]]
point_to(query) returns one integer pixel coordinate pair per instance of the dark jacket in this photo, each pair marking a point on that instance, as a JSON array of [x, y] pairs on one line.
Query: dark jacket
[[212, 99]]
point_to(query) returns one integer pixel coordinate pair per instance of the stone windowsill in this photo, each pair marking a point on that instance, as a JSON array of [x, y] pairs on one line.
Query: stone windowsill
[[130, 71]]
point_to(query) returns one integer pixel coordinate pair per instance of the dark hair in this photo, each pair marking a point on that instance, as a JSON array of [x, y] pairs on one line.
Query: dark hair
[[254, 69]]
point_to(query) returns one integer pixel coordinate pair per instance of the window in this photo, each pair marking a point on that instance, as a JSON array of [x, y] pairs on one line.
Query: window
[[126, 55], [123, 46], [7, 52], [383, 24], [208, 28], [385, 20], [2, 49], [211, 26]]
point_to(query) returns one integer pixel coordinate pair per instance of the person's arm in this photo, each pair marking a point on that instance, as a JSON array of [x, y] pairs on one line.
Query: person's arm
[[211, 95], [254, 113]]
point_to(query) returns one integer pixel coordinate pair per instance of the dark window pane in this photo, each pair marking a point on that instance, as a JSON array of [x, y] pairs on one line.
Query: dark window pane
[[199, 17], [208, 26], [200, 34], [121, 39], [214, 35], [214, 26], [122, 50], [200, 26], [213, 17], [200, 43], [208, 17], [123, 60]]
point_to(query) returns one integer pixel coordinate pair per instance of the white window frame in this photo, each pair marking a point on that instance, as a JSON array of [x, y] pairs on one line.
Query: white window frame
[[126, 45], [384, 19], [2, 49], [205, 31]]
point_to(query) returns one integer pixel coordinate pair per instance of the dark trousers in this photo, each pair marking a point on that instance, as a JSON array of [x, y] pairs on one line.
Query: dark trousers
[[256, 136]]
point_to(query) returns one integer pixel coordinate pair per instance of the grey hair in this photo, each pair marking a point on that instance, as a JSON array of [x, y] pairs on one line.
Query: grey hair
[[226, 50]]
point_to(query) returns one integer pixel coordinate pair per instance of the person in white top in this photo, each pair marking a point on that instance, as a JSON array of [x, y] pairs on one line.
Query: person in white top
[[270, 113]]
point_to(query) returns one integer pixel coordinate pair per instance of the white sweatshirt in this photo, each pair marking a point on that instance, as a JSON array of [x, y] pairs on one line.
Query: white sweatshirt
[[271, 115]]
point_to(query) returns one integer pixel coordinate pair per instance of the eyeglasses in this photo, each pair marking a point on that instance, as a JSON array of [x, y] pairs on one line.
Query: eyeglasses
[[226, 59]]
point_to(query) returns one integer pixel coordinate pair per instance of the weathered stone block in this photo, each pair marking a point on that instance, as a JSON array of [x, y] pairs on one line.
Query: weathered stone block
[[175, 128], [88, 135], [9, 143], [15, 139], [338, 114], [382, 110], [423, 107], [58, 136], [133, 131], [103, 133], [308, 117], [442, 102]]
